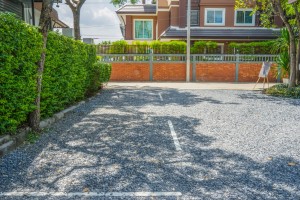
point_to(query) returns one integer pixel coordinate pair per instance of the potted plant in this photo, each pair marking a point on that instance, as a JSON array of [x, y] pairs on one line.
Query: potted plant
[[281, 46], [283, 64]]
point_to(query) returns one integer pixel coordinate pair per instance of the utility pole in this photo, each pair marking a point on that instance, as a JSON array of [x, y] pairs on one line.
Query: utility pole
[[188, 42]]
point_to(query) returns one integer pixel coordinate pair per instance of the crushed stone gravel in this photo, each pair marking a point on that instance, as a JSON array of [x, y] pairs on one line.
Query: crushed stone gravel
[[235, 145]]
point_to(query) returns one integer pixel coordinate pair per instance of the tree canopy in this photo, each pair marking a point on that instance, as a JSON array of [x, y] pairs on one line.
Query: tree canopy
[[122, 2], [289, 14]]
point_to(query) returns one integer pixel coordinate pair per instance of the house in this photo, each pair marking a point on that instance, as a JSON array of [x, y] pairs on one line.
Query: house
[[210, 20], [30, 11]]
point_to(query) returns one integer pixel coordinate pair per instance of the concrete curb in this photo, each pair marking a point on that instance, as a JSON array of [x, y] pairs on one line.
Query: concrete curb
[[47, 122], [9, 143]]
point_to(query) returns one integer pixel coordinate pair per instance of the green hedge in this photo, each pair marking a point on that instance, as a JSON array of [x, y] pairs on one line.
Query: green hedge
[[202, 47], [100, 74], [263, 47], [20, 49], [70, 72], [67, 74]]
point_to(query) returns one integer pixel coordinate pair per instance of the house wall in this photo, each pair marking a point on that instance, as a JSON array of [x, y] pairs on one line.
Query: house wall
[[173, 13], [229, 15], [129, 30], [164, 21]]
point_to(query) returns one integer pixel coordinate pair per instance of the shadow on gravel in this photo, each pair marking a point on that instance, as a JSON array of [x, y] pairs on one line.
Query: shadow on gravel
[[125, 150], [277, 100], [151, 97]]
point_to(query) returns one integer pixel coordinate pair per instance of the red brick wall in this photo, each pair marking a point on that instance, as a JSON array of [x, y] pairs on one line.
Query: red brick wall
[[215, 72], [169, 72], [130, 72], [210, 72], [248, 72]]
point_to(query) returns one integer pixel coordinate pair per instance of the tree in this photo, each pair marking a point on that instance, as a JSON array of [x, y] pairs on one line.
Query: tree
[[289, 14], [44, 27], [122, 2], [75, 6]]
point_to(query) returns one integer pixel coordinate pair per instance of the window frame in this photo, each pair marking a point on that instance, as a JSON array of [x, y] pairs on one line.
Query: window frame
[[244, 24], [134, 36], [215, 9], [198, 17]]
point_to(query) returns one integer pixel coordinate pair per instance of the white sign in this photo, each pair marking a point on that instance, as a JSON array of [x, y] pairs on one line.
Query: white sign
[[265, 68]]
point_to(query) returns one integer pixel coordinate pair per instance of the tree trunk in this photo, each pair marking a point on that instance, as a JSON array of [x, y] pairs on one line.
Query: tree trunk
[[75, 6], [277, 6], [45, 22], [76, 18], [298, 61], [295, 6], [293, 62]]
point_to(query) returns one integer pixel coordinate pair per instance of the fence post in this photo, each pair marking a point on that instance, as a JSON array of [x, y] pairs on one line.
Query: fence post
[[151, 65], [194, 68], [237, 67]]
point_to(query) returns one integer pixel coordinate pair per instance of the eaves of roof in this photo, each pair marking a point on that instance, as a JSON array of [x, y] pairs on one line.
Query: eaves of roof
[[223, 33]]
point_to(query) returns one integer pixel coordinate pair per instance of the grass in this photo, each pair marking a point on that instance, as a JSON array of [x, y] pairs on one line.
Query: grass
[[282, 90], [32, 137]]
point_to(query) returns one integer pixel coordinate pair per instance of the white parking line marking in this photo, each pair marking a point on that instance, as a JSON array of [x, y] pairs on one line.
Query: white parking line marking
[[92, 194], [175, 139], [160, 97]]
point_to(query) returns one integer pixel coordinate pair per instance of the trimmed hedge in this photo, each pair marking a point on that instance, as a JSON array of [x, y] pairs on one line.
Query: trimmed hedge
[[20, 49], [179, 47], [263, 47], [100, 73], [69, 75], [202, 47]]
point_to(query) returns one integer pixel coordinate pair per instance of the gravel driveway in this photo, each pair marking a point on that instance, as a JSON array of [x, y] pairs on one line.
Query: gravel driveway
[[153, 143]]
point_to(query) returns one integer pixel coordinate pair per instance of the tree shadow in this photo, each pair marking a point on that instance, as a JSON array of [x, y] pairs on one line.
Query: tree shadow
[[269, 98], [107, 145]]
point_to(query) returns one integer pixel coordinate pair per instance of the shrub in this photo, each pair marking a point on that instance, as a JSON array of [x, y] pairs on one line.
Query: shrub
[[140, 47], [202, 47], [282, 90], [118, 47], [20, 49], [172, 47], [68, 73], [99, 74], [263, 47]]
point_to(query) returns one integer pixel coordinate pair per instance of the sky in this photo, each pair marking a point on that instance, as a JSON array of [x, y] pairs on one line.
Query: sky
[[98, 20]]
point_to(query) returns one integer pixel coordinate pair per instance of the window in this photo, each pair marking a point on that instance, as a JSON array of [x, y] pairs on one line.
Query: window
[[243, 17], [215, 16], [194, 17], [143, 29]]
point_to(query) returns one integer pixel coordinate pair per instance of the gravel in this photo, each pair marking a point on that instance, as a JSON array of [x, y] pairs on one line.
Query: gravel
[[235, 145]]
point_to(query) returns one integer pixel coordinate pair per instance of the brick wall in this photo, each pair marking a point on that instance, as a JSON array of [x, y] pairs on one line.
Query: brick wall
[[215, 72], [248, 72], [169, 72], [205, 72], [130, 72]]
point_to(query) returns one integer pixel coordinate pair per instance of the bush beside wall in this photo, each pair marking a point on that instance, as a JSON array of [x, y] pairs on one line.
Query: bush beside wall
[[69, 75], [20, 50]]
